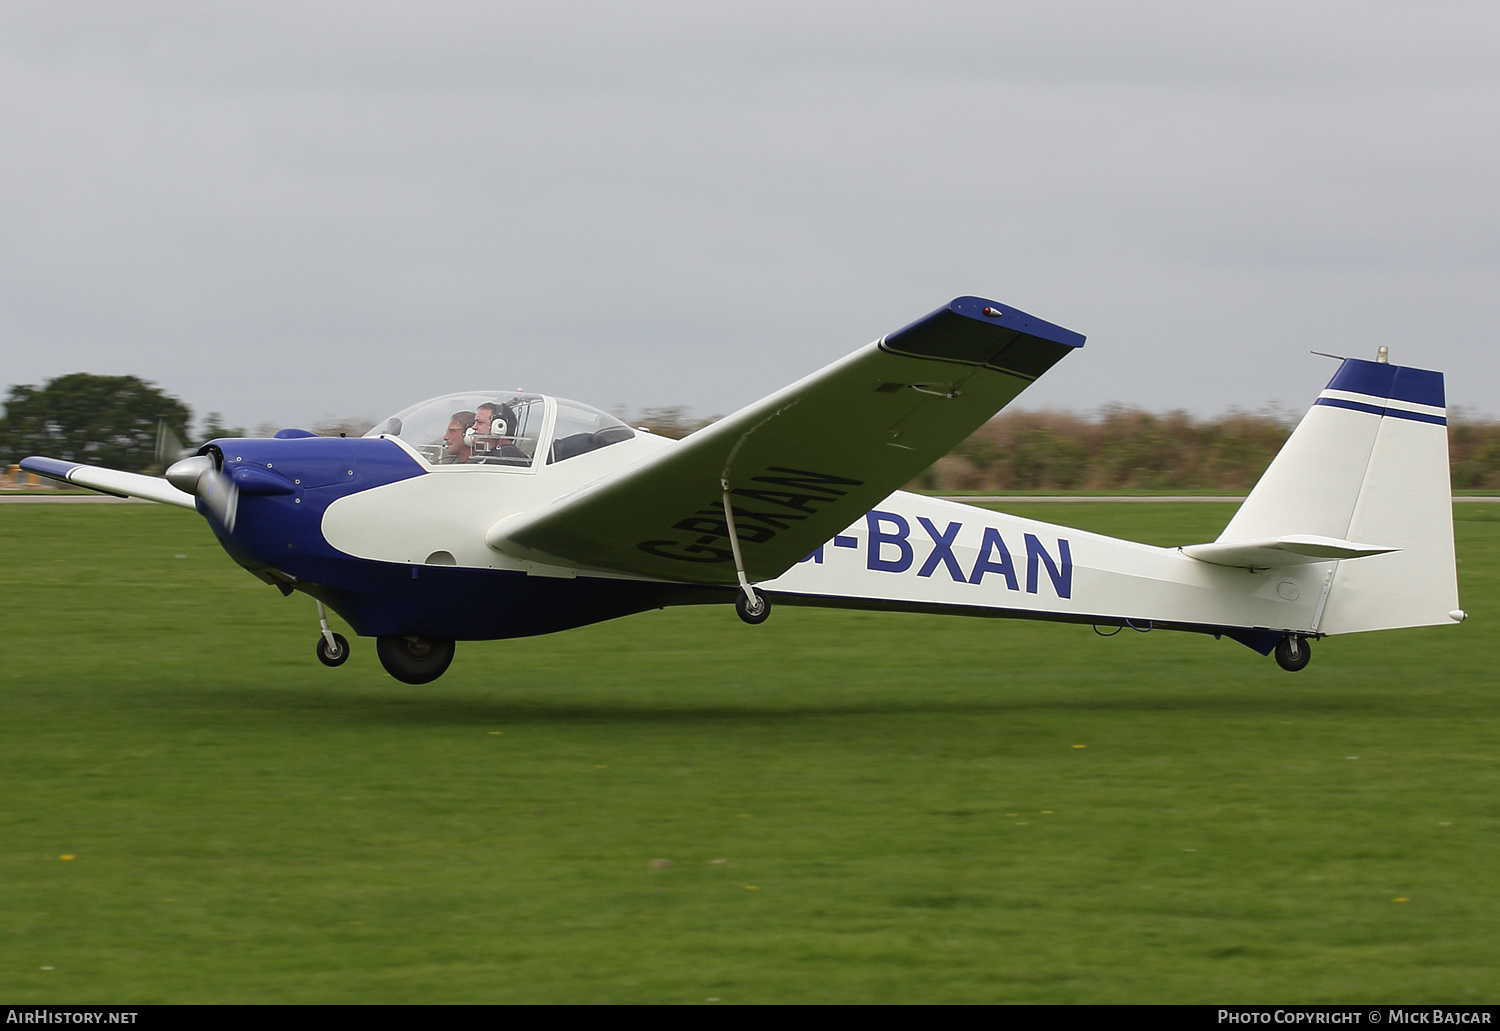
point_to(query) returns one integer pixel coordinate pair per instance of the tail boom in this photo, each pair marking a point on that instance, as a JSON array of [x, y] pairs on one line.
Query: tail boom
[[1350, 529]]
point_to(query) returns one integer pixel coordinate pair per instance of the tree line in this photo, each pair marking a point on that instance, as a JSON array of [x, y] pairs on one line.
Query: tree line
[[115, 421], [112, 421], [120, 422], [1122, 448]]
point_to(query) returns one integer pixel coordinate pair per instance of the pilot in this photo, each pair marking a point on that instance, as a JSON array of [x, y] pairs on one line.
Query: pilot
[[478, 438], [455, 446], [494, 432]]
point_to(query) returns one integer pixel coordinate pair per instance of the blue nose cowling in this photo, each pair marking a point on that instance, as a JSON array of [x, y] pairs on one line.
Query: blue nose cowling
[[254, 480]]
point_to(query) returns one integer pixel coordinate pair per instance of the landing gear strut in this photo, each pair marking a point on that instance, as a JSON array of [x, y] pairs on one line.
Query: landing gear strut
[[1293, 652], [333, 649], [751, 605], [414, 660]]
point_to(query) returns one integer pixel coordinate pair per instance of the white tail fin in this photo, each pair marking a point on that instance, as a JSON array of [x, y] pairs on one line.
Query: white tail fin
[[1368, 464]]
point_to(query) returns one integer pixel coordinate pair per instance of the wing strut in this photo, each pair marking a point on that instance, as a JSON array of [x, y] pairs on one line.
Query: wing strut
[[753, 601]]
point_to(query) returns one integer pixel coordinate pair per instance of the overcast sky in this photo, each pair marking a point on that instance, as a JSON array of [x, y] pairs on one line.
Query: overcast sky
[[290, 211]]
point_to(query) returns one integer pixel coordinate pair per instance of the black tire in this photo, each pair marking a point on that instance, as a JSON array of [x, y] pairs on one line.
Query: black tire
[[414, 660], [1293, 652], [753, 616], [335, 656]]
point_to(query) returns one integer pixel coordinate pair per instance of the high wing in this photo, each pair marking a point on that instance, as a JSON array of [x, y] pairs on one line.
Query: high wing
[[802, 464], [110, 481]]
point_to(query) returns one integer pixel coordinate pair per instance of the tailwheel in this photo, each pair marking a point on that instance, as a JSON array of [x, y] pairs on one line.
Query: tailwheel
[[414, 660], [333, 650], [1293, 652], [752, 612]]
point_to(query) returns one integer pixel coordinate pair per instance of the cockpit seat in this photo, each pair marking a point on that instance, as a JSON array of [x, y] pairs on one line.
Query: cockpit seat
[[574, 445]]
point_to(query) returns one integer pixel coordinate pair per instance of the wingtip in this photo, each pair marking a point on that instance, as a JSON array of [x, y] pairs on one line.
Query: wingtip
[[53, 468]]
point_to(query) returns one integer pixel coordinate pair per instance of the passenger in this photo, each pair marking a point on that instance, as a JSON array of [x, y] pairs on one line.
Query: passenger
[[456, 448]]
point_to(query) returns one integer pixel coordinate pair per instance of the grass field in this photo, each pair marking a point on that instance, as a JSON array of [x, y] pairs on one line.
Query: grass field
[[854, 806]]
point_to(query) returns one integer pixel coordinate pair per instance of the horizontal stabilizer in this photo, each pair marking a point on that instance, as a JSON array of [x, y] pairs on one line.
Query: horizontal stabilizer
[[1270, 552], [110, 481]]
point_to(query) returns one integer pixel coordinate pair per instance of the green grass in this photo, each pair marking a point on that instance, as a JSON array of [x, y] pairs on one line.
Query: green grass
[[898, 801], [1119, 492]]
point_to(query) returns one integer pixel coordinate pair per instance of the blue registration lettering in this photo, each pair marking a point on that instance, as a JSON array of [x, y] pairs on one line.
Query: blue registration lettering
[[879, 537], [942, 550], [1062, 580], [816, 557], [983, 564]]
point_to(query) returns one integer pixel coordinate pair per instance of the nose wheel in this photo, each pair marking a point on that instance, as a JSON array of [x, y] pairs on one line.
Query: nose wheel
[[1293, 652], [333, 650]]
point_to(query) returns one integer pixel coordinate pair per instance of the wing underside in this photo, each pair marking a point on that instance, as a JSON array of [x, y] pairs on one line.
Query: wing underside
[[802, 464]]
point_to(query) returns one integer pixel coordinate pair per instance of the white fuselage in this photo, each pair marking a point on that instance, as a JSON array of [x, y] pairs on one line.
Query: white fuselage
[[911, 551]]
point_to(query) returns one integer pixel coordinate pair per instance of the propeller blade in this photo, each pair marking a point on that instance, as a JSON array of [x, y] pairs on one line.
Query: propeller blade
[[220, 496], [168, 448]]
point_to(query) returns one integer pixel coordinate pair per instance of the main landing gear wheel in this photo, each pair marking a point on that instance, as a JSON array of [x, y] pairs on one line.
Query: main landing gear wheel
[[414, 660], [753, 614], [1293, 652], [333, 655]]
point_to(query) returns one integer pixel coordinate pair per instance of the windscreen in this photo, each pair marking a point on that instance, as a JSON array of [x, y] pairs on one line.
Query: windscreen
[[494, 427]]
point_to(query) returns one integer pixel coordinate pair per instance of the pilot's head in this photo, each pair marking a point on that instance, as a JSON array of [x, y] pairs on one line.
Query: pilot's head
[[453, 440], [493, 420]]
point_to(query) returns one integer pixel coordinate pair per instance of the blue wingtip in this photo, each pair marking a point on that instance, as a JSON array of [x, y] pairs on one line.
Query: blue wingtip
[[995, 313], [976, 331], [53, 468]]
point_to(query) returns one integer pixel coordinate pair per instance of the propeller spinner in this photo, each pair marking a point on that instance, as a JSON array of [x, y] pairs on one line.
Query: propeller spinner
[[202, 476]]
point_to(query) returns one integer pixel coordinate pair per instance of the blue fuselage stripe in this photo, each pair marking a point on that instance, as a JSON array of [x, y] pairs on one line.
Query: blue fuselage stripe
[[1395, 413]]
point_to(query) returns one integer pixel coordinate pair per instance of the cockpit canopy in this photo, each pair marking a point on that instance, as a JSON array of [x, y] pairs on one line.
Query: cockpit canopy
[[501, 428]]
